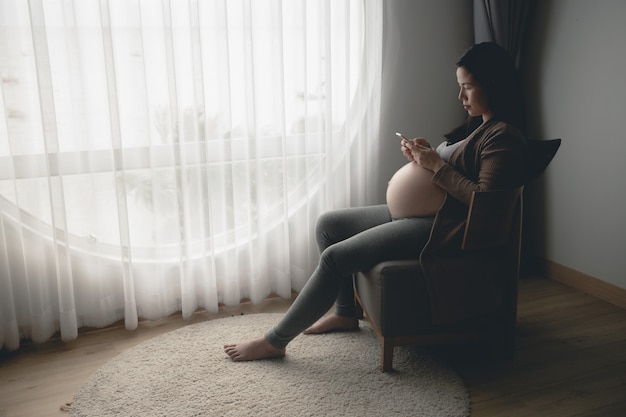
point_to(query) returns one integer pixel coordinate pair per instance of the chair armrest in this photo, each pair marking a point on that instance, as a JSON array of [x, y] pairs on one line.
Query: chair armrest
[[491, 218]]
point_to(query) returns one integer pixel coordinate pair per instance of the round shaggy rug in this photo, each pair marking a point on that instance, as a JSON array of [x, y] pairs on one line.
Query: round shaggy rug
[[186, 373]]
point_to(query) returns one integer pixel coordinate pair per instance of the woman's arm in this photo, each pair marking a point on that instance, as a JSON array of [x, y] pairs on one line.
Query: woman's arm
[[494, 161]]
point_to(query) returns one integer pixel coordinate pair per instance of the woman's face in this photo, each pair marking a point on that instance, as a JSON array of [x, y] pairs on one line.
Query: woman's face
[[472, 95]]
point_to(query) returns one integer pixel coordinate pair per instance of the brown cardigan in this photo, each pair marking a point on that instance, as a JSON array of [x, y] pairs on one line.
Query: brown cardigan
[[465, 285]]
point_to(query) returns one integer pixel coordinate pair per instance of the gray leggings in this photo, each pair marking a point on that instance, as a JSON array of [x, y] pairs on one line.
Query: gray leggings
[[350, 240]]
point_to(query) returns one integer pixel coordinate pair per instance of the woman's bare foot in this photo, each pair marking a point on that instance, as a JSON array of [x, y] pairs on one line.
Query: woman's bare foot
[[253, 350], [333, 322]]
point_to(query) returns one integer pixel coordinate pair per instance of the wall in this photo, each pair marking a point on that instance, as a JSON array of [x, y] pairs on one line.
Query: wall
[[576, 66], [576, 61], [423, 40]]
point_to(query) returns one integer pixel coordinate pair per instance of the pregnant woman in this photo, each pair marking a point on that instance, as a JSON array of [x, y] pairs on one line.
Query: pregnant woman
[[427, 201]]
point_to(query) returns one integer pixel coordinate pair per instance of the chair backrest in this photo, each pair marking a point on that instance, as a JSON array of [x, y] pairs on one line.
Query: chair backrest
[[492, 219], [495, 215]]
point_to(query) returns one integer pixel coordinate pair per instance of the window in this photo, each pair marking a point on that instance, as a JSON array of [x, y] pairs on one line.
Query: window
[[164, 150]]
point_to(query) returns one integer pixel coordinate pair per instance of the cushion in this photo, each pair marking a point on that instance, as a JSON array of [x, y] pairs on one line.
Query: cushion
[[540, 153]]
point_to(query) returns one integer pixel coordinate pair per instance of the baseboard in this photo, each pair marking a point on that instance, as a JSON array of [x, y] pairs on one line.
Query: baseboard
[[591, 285]]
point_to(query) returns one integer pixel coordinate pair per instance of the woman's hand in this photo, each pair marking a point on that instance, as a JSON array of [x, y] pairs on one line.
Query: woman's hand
[[420, 151], [406, 146]]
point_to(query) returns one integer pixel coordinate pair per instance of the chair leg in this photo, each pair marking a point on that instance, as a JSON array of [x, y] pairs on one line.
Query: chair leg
[[508, 344], [359, 310], [386, 355]]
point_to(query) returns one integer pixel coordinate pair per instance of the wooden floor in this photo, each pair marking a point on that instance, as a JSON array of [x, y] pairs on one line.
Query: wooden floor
[[570, 360]]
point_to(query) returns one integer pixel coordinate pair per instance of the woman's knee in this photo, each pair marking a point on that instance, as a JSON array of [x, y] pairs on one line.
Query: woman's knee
[[341, 260], [337, 225], [326, 224], [330, 260]]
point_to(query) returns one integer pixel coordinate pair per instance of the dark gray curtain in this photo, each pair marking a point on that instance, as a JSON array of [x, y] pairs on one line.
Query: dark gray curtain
[[503, 22]]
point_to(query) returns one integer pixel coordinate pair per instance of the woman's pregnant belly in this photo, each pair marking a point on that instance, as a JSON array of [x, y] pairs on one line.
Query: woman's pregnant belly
[[411, 192]]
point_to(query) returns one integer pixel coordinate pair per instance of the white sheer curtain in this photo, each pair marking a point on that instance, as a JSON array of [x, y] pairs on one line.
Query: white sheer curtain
[[163, 156]]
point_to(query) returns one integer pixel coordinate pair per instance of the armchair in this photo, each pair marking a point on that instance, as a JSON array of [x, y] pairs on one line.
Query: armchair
[[394, 295]]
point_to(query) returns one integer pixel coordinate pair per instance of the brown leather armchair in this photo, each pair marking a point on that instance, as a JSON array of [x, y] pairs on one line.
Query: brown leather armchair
[[394, 295]]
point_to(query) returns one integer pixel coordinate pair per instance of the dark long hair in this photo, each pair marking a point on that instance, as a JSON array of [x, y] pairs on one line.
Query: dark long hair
[[492, 68]]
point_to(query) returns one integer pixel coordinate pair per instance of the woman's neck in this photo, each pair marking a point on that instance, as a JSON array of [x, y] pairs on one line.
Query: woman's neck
[[487, 116]]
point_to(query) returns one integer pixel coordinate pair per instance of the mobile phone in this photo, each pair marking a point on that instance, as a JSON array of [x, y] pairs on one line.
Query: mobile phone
[[401, 136]]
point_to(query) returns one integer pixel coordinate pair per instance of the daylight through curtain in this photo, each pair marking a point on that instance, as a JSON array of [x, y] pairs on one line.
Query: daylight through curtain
[[163, 156]]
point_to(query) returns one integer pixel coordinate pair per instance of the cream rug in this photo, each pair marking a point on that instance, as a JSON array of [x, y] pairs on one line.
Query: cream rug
[[186, 373]]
